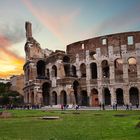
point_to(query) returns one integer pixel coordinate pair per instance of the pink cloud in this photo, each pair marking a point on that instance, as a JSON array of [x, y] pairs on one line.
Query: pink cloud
[[53, 24]]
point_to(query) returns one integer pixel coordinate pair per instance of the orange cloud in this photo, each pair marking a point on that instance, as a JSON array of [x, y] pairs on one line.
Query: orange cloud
[[10, 63]]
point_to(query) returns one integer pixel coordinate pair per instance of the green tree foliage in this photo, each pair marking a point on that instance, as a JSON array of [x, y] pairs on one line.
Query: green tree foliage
[[9, 97]]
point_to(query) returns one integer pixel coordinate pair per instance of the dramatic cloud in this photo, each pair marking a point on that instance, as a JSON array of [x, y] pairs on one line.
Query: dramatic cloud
[[54, 24], [12, 32], [10, 62]]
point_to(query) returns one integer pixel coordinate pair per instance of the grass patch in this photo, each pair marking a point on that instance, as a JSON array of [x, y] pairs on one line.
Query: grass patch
[[88, 125]]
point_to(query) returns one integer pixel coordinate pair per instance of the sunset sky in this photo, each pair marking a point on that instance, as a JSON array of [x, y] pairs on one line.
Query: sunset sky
[[57, 23]]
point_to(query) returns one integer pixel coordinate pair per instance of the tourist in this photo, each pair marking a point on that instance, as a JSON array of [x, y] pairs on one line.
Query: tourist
[[103, 106], [137, 105], [77, 107], [127, 107], [62, 106], [116, 106]]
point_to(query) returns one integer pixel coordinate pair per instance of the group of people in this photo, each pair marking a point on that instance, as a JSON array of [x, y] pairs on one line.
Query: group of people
[[25, 106], [115, 106], [64, 107]]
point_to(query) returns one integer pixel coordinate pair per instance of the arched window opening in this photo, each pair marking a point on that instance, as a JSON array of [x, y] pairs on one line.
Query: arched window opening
[[67, 70], [54, 71], [41, 69], [118, 63], [66, 59], [93, 55], [63, 97], [134, 95], [119, 96], [94, 97], [54, 98], [74, 70], [93, 67], [83, 70], [84, 98], [107, 97], [46, 93], [132, 69], [105, 69], [76, 90]]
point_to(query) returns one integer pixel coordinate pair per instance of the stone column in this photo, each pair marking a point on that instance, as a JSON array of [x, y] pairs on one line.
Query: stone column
[[58, 99], [101, 95], [99, 75], [113, 96], [126, 94], [60, 69], [77, 66], [125, 63], [89, 95], [138, 59], [72, 98], [125, 71], [112, 75], [111, 64], [88, 72], [88, 77]]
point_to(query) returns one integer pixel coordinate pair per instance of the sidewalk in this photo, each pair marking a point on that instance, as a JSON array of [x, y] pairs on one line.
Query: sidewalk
[[88, 108]]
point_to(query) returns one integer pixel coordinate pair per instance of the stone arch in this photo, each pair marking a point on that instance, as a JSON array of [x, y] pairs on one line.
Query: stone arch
[[46, 93], [105, 69], [84, 98], [107, 96], [76, 90], [54, 98], [54, 71], [63, 97], [119, 96], [83, 70], [94, 97], [93, 68], [66, 59], [118, 63], [132, 68], [40, 69], [134, 95]]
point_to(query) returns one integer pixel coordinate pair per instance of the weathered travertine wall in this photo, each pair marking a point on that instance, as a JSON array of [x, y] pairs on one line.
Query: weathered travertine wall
[[100, 70]]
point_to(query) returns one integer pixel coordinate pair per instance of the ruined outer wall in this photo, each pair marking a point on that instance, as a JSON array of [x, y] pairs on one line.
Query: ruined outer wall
[[115, 40]]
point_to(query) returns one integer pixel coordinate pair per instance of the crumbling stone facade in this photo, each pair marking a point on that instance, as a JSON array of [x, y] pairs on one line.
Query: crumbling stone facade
[[17, 83], [104, 69]]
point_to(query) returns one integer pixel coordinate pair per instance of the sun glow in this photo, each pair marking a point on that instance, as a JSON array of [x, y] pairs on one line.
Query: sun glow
[[10, 63]]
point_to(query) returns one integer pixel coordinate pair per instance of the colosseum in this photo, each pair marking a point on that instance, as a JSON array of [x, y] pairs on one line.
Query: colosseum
[[94, 71]]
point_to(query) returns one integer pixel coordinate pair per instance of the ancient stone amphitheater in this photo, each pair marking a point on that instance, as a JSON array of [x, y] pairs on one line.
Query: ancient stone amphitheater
[[103, 69]]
